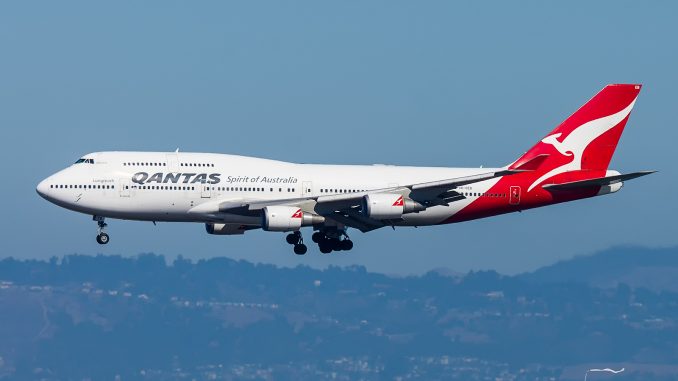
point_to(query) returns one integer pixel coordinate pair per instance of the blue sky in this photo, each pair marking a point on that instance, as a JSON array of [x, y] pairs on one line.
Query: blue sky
[[434, 83]]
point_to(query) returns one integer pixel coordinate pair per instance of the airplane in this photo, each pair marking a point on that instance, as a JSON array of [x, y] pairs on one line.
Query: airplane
[[234, 194]]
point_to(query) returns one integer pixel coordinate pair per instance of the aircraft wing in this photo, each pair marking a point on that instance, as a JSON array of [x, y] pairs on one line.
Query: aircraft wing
[[345, 208]]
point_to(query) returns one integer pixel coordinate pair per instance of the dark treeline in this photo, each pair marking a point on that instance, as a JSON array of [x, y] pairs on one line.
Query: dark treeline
[[96, 316]]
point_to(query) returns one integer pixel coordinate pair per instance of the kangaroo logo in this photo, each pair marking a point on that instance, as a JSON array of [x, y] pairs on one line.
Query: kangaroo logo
[[576, 142]]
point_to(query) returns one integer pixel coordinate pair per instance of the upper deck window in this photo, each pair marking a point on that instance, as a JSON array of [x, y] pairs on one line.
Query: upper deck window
[[88, 161]]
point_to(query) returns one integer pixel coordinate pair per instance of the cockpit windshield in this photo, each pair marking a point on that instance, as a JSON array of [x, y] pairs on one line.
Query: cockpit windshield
[[87, 161]]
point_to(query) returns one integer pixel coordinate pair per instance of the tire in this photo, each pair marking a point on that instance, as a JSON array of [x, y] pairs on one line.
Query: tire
[[300, 249], [292, 239], [317, 237], [325, 247], [103, 238], [335, 244], [346, 245]]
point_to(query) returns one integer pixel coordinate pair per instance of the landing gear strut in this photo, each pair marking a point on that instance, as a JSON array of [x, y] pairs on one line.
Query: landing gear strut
[[329, 241], [298, 241], [102, 238]]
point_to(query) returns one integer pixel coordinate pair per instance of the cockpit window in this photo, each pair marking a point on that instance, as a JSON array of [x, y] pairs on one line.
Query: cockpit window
[[80, 161], [88, 161]]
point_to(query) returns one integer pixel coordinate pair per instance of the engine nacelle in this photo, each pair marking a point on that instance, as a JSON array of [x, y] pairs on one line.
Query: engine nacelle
[[287, 218], [224, 229], [389, 206]]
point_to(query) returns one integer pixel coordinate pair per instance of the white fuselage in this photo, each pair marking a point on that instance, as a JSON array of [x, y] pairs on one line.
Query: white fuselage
[[151, 186], [233, 194]]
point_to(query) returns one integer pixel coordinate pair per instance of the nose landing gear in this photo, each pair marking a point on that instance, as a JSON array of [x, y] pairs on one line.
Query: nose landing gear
[[102, 238], [298, 241]]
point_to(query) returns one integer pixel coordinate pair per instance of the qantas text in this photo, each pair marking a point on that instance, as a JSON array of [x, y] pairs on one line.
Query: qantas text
[[176, 178], [206, 178]]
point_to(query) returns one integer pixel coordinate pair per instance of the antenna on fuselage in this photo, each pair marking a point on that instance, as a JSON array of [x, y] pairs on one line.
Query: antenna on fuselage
[[177, 150]]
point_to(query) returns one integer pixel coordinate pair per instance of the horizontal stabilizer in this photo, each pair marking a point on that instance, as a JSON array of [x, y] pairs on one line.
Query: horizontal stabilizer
[[601, 181]]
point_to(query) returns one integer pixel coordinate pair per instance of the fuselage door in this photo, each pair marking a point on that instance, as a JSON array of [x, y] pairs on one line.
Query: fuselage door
[[125, 185], [514, 195], [307, 188], [206, 191], [172, 162]]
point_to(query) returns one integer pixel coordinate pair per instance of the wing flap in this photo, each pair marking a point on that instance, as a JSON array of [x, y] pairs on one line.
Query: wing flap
[[356, 220], [442, 192]]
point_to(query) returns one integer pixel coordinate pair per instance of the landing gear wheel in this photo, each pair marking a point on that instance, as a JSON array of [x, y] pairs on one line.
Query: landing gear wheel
[[292, 238], [300, 249], [346, 245], [102, 238], [325, 247], [317, 237], [335, 244]]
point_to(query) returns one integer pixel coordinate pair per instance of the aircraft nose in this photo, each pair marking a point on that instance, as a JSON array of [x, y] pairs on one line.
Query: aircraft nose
[[42, 188]]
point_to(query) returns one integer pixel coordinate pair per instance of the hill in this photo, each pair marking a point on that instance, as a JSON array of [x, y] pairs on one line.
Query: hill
[[108, 317], [654, 269]]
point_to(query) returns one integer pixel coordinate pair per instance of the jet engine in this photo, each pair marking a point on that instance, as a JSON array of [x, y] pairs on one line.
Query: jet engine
[[224, 229], [279, 218], [389, 206]]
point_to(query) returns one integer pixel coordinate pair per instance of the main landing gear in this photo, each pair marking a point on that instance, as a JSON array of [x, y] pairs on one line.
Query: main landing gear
[[329, 241], [102, 238], [298, 241]]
